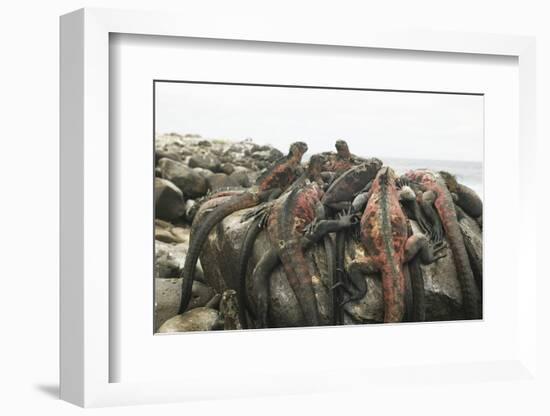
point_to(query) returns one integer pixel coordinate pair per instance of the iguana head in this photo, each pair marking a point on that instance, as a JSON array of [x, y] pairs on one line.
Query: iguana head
[[314, 167], [297, 150], [386, 176], [342, 149], [450, 181]]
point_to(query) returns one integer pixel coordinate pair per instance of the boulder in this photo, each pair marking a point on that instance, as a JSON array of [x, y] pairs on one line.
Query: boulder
[[172, 235], [205, 173], [221, 181], [167, 298], [228, 168], [165, 154], [169, 202], [473, 240], [169, 259], [205, 161], [191, 183], [220, 254], [242, 177], [168, 295], [198, 319]]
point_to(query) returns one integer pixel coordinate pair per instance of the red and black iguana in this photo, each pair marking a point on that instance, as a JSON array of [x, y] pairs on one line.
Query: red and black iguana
[[276, 179], [343, 190], [444, 205], [385, 236], [295, 222]]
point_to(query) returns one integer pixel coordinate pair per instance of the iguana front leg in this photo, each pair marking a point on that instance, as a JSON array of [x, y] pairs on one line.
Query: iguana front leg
[[357, 287], [263, 270], [420, 245]]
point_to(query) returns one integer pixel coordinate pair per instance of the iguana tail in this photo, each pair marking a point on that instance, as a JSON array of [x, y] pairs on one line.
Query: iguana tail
[[418, 292], [298, 275], [236, 203], [246, 252], [471, 296]]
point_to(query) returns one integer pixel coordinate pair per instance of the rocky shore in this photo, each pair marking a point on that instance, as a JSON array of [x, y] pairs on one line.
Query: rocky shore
[[188, 169]]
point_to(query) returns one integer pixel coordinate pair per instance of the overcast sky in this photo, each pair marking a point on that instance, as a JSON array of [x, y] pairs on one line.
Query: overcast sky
[[374, 123]]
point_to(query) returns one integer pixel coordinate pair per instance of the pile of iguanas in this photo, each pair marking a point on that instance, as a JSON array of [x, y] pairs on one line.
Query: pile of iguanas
[[339, 193]]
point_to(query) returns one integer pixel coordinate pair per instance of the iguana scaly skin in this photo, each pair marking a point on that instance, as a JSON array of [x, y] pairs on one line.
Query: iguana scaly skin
[[275, 180], [385, 237], [444, 205]]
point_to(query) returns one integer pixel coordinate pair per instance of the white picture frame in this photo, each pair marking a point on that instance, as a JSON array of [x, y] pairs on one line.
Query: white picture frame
[[85, 216]]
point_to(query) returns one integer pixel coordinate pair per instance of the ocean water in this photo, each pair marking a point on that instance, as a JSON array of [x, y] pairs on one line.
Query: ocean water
[[467, 173]]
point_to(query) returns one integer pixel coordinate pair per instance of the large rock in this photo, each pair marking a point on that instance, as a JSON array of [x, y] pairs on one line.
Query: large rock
[[220, 254], [242, 177], [220, 181], [168, 296], [169, 259], [205, 161], [198, 319], [473, 240], [191, 183], [169, 202]]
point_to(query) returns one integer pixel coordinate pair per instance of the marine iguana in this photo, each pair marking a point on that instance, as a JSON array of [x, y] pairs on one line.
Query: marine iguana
[[288, 231], [466, 198], [340, 192], [270, 184], [260, 216], [349, 184], [337, 163], [445, 207], [384, 234]]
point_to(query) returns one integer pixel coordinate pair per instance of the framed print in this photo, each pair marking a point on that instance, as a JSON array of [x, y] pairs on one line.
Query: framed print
[[250, 203]]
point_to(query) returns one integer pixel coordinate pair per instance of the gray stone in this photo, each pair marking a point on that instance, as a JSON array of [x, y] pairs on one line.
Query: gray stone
[[229, 310], [205, 173], [163, 154], [473, 240], [205, 161], [242, 178], [228, 168], [169, 202], [221, 181], [173, 235], [169, 259], [191, 183], [198, 319], [167, 299], [200, 296]]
